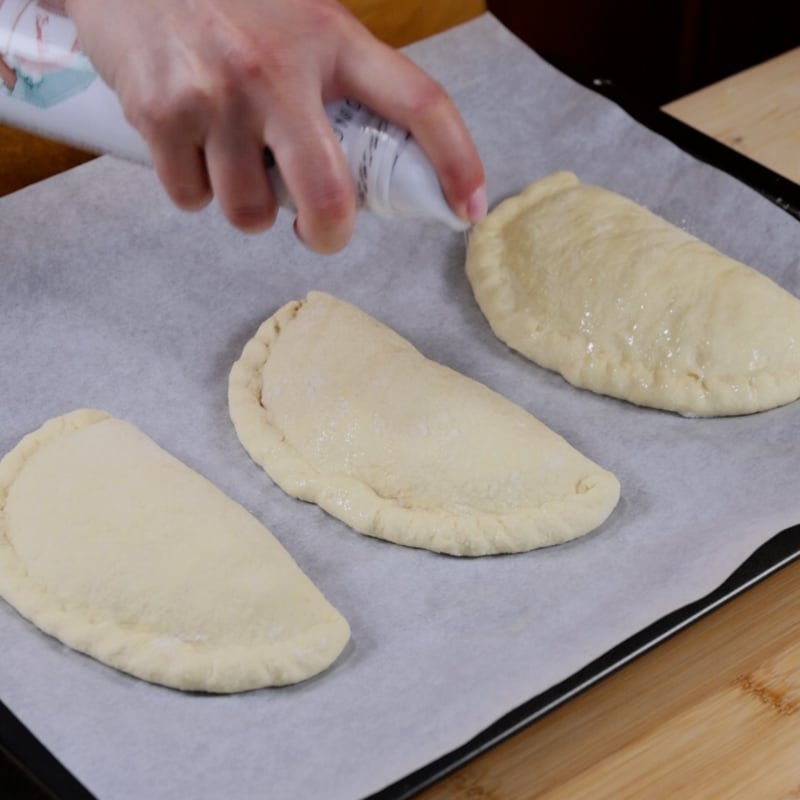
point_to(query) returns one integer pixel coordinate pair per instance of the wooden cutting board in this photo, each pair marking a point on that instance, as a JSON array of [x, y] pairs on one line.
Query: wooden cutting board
[[756, 112], [711, 713]]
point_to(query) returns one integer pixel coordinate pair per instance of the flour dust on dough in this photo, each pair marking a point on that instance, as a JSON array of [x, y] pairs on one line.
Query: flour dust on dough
[[619, 301], [343, 412], [121, 551]]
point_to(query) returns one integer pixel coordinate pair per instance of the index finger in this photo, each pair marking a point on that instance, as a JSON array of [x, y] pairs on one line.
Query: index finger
[[397, 89], [313, 168]]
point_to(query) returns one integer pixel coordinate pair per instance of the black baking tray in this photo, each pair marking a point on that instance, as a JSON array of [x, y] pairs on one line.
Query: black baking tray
[[778, 552], [28, 771]]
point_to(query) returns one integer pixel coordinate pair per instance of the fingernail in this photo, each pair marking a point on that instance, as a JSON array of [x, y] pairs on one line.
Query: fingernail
[[477, 205], [297, 232]]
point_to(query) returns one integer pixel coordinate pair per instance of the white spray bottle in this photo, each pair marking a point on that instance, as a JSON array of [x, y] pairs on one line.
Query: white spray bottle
[[49, 87]]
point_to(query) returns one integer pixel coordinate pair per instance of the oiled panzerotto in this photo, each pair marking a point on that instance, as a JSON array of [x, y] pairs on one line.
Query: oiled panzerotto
[[588, 283], [343, 412], [121, 551]]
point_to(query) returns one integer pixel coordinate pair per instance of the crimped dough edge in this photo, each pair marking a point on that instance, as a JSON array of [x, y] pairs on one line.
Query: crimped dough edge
[[359, 506], [185, 666], [691, 395]]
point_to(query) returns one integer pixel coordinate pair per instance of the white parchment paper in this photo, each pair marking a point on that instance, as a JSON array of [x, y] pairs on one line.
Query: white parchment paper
[[113, 299]]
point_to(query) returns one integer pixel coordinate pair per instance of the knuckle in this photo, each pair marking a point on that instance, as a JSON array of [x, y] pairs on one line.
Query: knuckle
[[463, 177], [428, 99], [153, 115], [247, 63], [257, 58], [331, 205], [327, 18]]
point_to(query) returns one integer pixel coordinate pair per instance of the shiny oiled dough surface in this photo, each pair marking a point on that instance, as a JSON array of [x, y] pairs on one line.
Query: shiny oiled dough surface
[[342, 411], [587, 283], [121, 551]]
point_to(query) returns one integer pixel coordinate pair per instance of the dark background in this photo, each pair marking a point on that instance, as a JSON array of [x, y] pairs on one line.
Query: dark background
[[656, 49]]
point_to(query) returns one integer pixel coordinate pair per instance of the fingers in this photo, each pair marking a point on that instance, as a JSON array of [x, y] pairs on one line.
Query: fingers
[[208, 90], [239, 179], [197, 156], [182, 172], [420, 105], [313, 168]]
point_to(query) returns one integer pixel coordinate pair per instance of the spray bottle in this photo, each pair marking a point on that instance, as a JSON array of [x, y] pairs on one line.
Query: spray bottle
[[48, 86]]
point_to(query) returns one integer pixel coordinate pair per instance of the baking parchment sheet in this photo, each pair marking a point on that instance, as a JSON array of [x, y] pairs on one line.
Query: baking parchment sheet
[[113, 299]]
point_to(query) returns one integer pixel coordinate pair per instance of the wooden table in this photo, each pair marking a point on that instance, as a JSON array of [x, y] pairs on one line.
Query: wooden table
[[713, 712], [756, 112]]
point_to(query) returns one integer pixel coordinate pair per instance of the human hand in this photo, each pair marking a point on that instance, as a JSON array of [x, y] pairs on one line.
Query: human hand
[[8, 76], [56, 6], [209, 84]]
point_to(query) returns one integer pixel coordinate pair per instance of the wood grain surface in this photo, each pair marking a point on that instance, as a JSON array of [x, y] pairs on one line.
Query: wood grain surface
[[710, 713], [756, 112]]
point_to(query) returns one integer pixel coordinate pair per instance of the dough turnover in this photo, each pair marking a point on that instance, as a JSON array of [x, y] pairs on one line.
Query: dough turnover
[[119, 550], [619, 301], [345, 413]]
